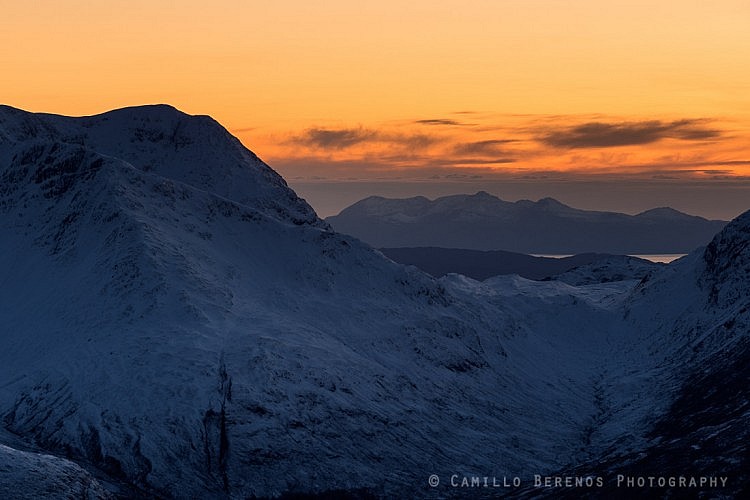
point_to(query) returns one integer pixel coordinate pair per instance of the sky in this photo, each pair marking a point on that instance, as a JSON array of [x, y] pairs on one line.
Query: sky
[[614, 105]]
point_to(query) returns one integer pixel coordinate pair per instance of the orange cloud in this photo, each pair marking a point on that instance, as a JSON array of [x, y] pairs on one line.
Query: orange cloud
[[594, 145]]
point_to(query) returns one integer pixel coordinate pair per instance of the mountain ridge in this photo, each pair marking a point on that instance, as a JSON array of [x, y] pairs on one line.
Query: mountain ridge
[[172, 144], [484, 222]]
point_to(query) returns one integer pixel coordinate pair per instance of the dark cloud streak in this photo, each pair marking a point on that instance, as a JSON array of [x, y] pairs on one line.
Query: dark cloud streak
[[439, 121], [489, 147], [337, 138], [607, 135], [343, 138]]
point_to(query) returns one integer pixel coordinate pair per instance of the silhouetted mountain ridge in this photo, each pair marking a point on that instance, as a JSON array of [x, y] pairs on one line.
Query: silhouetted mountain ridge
[[484, 222]]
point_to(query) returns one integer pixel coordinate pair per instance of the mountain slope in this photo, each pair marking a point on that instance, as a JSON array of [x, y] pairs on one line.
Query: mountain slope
[[25, 475], [484, 222], [694, 326]]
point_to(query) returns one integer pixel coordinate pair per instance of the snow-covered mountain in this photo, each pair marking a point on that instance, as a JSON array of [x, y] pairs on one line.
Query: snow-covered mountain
[[608, 268], [192, 150], [178, 323], [485, 222], [691, 328]]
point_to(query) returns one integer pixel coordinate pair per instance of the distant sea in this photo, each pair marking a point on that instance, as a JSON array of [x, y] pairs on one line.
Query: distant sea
[[660, 257]]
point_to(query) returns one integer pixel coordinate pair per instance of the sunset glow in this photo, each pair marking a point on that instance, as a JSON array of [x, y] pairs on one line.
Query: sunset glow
[[433, 91]]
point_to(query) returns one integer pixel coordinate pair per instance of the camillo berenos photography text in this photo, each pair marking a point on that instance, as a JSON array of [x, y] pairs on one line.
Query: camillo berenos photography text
[[620, 481]]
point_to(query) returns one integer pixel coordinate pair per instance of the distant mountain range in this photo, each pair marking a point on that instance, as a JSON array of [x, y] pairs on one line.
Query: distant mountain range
[[483, 264], [485, 222]]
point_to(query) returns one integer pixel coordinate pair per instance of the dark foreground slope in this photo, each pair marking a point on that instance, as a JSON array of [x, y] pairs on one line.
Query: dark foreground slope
[[701, 317]]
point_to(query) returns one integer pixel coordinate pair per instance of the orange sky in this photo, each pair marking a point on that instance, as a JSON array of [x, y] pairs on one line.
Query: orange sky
[[433, 91]]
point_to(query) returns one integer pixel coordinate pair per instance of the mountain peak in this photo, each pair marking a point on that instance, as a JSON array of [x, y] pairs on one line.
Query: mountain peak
[[664, 212], [551, 203], [145, 109], [140, 108], [484, 195], [144, 113], [160, 139]]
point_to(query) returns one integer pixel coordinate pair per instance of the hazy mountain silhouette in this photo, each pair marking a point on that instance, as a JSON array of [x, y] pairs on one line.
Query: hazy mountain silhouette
[[485, 222]]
